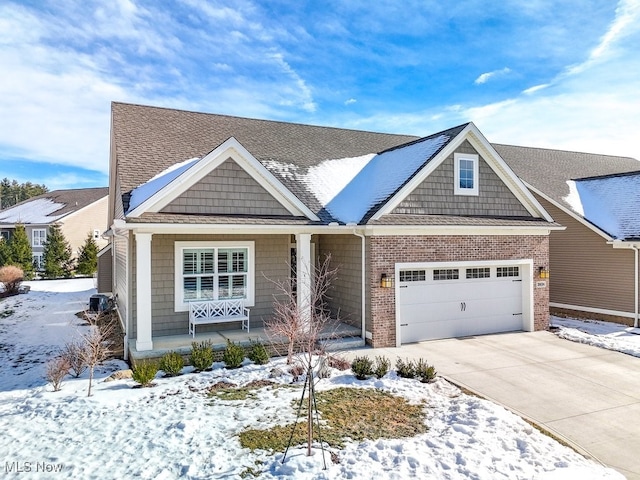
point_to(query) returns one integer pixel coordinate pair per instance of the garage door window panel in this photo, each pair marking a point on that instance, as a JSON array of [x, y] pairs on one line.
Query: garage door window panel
[[446, 274], [478, 273], [508, 272], [413, 275]]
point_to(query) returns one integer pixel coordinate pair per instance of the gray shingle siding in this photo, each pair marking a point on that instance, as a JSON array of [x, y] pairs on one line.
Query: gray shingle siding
[[435, 196], [345, 294], [228, 190], [272, 257]]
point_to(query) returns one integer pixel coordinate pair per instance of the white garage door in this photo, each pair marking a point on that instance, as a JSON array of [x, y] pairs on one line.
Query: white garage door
[[447, 302]]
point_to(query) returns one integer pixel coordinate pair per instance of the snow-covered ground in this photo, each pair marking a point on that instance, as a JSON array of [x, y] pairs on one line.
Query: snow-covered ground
[[613, 336], [174, 430]]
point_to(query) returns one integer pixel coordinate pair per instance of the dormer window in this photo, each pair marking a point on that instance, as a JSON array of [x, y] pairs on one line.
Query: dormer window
[[466, 174]]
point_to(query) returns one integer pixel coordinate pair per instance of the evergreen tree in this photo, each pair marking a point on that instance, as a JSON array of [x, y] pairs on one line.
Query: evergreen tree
[[20, 250], [5, 252], [88, 258], [12, 192], [57, 254]]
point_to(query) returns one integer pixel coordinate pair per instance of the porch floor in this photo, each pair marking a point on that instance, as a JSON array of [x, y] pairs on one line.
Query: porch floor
[[182, 343]]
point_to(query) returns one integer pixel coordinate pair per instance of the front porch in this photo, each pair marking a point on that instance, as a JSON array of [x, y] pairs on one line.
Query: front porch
[[339, 337]]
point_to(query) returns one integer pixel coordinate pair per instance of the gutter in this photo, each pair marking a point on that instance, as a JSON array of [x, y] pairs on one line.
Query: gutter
[[110, 234], [363, 284], [635, 320]]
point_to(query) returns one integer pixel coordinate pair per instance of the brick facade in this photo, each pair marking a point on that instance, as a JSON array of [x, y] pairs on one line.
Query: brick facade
[[385, 251]]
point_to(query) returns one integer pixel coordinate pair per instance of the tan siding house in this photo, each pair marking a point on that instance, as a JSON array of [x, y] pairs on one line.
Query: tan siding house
[[79, 212], [594, 271], [211, 208]]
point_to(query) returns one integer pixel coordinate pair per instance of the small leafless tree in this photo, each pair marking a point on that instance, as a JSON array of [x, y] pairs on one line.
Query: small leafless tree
[[97, 346], [302, 332], [57, 369], [74, 353], [303, 322]]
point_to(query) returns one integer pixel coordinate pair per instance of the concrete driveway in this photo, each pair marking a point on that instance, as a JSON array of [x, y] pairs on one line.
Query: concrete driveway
[[587, 396]]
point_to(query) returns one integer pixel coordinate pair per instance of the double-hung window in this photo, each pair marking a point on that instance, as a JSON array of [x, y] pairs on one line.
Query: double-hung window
[[38, 237], [465, 174], [213, 271]]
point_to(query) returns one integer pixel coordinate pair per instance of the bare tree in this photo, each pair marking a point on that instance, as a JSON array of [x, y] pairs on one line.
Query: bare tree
[[303, 322], [97, 345], [302, 332], [57, 369], [74, 353]]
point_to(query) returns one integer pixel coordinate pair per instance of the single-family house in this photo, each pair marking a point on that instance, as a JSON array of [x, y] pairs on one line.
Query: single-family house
[[594, 270], [433, 237], [78, 211]]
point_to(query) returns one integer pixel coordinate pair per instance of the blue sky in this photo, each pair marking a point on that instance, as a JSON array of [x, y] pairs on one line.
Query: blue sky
[[557, 74]]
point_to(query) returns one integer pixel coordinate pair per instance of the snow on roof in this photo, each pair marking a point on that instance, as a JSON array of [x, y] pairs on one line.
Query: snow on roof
[[381, 177], [330, 177], [37, 211], [145, 191], [347, 187], [610, 202]]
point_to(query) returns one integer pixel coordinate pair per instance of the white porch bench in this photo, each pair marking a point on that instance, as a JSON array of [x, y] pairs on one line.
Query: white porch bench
[[203, 312]]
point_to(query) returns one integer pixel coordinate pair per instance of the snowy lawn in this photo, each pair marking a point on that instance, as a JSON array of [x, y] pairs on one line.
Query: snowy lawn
[[176, 430], [613, 336]]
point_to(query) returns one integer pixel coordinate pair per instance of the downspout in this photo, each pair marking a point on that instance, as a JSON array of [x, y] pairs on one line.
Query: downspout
[[123, 322], [635, 320], [363, 285]]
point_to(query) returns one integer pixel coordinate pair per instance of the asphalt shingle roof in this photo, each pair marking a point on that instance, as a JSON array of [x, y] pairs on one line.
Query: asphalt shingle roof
[[549, 170], [70, 201]]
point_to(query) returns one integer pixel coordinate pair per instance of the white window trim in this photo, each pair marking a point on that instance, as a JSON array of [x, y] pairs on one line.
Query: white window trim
[[39, 258], [33, 237], [456, 173], [179, 304]]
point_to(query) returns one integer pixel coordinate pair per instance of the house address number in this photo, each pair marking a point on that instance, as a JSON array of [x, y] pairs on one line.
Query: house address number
[[541, 284]]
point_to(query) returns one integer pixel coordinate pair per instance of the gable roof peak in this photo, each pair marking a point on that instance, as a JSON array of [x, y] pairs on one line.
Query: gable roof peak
[[450, 132]]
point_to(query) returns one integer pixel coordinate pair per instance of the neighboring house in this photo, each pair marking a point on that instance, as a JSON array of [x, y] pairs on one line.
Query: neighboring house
[[594, 262], [78, 212], [434, 237]]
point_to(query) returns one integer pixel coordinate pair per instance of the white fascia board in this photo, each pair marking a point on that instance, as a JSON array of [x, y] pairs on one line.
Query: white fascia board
[[475, 230], [203, 229], [482, 145], [572, 214], [231, 148], [633, 244]]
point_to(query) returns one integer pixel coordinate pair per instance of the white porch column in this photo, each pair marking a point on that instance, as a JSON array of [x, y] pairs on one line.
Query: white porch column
[[304, 271], [143, 292]]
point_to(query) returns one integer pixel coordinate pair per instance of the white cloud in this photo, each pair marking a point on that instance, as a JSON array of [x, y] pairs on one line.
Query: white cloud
[[351, 101], [627, 13], [303, 94], [485, 77]]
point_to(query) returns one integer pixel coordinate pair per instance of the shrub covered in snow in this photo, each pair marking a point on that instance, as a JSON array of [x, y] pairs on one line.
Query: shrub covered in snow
[[11, 277], [171, 364], [201, 357], [233, 355]]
